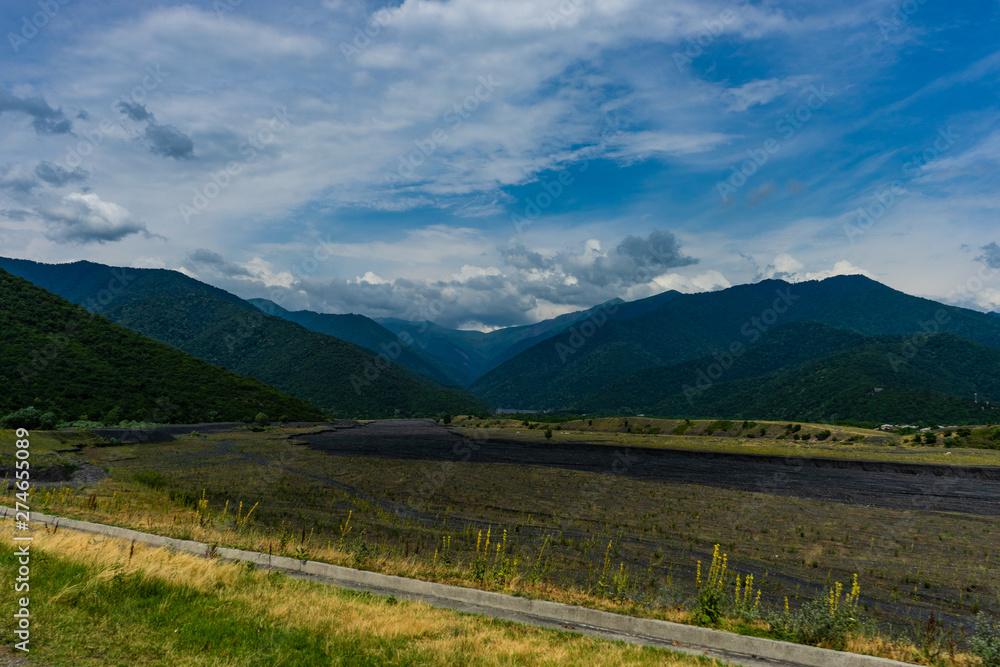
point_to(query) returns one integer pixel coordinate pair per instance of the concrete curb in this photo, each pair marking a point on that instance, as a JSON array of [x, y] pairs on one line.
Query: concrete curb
[[551, 612]]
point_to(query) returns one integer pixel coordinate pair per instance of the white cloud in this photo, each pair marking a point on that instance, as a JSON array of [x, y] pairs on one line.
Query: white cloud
[[788, 268], [86, 218], [841, 268], [762, 91], [264, 272]]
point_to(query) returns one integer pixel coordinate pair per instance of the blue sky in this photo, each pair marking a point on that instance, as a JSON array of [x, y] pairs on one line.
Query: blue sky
[[484, 163]]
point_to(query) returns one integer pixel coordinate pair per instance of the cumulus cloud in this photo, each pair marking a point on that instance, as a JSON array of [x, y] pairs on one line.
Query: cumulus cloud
[[86, 218], [709, 281], [256, 270], [990, 256], [524, 286], [44, 118], [202, 258], [787, 268], [165, 140], [633, 260]]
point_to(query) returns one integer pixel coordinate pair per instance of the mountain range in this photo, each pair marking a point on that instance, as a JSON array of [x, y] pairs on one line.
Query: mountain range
[[846, 347], [337, 377], [573, 365], [57, 357]]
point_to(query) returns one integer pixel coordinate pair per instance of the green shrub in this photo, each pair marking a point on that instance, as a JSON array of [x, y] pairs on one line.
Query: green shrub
[[718, 425], [29, 418], [262, 419], [154, 479], [985, 644], [823, 435], [184, 498], [826, 622]]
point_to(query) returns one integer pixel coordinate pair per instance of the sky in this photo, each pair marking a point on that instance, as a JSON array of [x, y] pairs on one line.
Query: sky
[[484, 164]]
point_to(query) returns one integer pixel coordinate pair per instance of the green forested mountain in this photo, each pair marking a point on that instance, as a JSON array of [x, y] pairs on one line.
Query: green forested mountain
[[786, 347], [367, 333], [337, 377], [561, 371], [57, 357], [934, 377], [469, 354]]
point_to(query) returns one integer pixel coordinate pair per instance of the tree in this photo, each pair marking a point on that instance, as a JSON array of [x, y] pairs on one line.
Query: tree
[[48, 421], [262, 419], [28, 418], [113, 417], [548, 434]]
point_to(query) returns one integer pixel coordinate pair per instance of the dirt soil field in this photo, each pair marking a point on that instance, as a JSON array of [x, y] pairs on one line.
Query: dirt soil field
[[970, 490]]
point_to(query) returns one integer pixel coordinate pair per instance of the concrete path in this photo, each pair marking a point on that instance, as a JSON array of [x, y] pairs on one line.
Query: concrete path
[[729, 647]]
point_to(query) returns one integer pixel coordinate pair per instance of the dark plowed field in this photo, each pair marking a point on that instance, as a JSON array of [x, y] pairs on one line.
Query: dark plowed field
[[890, 485]]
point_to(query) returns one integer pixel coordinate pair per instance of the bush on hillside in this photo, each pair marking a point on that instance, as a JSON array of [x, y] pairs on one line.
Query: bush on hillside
[[29, 418]]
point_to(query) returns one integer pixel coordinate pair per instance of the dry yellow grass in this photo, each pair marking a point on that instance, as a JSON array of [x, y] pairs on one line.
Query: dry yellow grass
[[442, 637]]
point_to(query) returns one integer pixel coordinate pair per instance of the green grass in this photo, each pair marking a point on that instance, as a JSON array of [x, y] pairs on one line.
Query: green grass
[[93, 603], [129, 619], [45, 442], [611, 432]]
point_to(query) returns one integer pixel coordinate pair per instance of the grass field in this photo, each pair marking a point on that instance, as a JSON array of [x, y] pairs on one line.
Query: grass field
[[46, 442], [627, 545], [97, 601], [698, 436]]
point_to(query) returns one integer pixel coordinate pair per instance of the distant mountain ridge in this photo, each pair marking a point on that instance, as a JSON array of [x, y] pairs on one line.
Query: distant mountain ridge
[[472, 353], [560, 372], [367, 333], [337, 377]]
